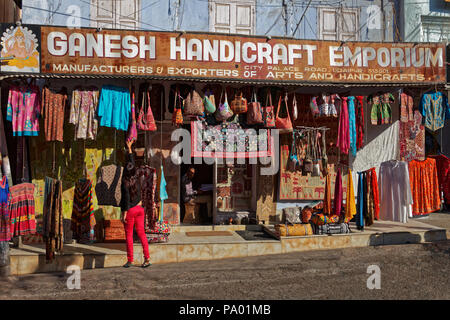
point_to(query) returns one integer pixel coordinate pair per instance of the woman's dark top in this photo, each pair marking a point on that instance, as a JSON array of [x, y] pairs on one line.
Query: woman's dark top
[[126, 202]]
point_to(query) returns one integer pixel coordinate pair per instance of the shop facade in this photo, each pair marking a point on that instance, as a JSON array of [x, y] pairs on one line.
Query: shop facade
[[167, 63]]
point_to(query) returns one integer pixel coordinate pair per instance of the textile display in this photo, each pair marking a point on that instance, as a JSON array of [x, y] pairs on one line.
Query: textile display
[[53, 232], [285, 230], [114, 108], [380, 108], [5, 223], [424, 186], [412, 138], [21, 209], [83, 219], [53, 107], [229, 140], [352, 123], [83, 110], [343, 136], [406, 107], [350, 207], [395, 191], [361, 212], [327, 196], [23, 110], [148, 180], [338, 194], [331, 228], [359, 112], [373, 207], [443, 169], [435, 108]]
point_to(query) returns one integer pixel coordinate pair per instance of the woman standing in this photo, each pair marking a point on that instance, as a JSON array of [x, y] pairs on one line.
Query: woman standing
[[132, 210]]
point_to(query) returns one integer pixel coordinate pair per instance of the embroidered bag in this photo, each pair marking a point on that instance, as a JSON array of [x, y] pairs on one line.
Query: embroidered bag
[[146, 121], [283, 123], [209, 102], [224, 112], [268, 112], [193, 104], [254, 114], [239, 104]]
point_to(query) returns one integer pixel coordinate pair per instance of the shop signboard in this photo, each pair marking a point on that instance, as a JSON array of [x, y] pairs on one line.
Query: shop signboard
[[87, 51]]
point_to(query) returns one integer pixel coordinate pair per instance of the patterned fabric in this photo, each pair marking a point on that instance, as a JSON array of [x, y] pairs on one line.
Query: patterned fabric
[[83, 219], [338, 193], [331, 228], [321, 219], [424, 186], [406, 108], [314, 107], [5, 224], [53, 105], [412, 139], [324, 106], [435, 109], [21, 209], [343, 138], [374, 198], [53, 232], [350, 205], [147, 178], [381, 112], [359, 109], [332, 107], [23, 109], [83, 112], [352, 124], [443, 169]]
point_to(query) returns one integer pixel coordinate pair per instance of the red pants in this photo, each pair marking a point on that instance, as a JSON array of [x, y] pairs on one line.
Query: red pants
[[135, 217]]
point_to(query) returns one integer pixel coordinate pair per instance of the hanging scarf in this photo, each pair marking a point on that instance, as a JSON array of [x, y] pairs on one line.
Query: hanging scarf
[[327, 197], [375, 194], [350, 208], [369, 208], [162, 194], [361, 202], [343, 139], [338, 193], [352, 124], [359, 122]]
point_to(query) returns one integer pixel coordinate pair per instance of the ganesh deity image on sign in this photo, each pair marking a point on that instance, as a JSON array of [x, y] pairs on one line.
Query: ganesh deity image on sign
[[20, 44]]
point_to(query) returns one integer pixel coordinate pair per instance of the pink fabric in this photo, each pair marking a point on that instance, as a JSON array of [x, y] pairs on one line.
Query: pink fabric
[[343, 139], [23, 110], [338, 193], [135, 217]]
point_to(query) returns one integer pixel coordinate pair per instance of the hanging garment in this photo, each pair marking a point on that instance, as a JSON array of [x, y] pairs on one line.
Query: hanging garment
[[395, 191], [406, 108], [352, 124], [334, 104], [21, 209], [53, 106], [375, 111], [369, 211], [374, 199], [5, 223], [132, 130], [327, 197], [359, 110], [83, 219], [443, 169], [162, 193], [424, 186], [412, 139], [322, 101], [361, 198], [53, 227], [435, 108], [350, 207], [83, 112], [23, 110], [343, 139], [338, 194], [386, 110], [114, 108], [147, 178]]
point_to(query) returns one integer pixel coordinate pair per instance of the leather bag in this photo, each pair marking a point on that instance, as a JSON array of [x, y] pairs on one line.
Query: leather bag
[[254, 114], [284, 124], [239, 104]]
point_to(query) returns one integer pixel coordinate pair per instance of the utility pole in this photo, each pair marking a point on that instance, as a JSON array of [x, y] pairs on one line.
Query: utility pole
[[383, 22]]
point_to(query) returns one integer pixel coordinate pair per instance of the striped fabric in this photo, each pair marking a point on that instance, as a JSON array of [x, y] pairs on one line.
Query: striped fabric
[[5, 230], [83, 219], [21, 209]]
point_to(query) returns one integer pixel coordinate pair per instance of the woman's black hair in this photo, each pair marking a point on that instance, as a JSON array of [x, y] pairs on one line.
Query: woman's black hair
[[130, 180]]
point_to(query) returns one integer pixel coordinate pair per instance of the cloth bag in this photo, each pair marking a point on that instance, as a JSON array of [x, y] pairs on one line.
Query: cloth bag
[[239, 104], [254, 114], [132, 130], [193, 104], [224, 112], [285, 230], [209, 102], [268, 112], [146, 121], [108, 187], [161, 230], [177, 116], [284, 124]]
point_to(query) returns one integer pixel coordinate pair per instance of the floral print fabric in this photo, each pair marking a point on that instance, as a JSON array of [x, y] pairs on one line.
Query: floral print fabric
[[23, 110], [83, 113], [53, 105], [435, 109]]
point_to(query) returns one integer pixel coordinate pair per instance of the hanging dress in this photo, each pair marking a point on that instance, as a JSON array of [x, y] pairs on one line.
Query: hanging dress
[[21, 209], [343, 139], [362, 205], [374, 198], [359, 109], [53, 106], [352, 124], [83, 219], [147, 178], [5, 224], [83, 112]]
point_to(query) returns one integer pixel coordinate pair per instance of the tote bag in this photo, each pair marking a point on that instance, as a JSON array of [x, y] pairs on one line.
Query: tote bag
[[254, 114], [268, 113], [193, 104], [224, 112], [146, 122], [283, 124]]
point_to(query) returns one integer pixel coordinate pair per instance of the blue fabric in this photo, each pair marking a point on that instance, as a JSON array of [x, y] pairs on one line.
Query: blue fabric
[[162, 194], [114, 107], [352, 124], [359, 219], [435, 110]]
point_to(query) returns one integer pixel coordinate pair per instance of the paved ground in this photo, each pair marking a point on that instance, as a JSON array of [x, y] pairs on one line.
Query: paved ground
[[419, 271]]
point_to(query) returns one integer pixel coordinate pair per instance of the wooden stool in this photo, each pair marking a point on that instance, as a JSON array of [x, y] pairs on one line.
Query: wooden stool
[[191, 213]]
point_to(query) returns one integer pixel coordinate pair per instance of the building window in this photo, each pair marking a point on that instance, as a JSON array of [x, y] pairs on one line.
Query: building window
[[232, 16], [338, 24], [115, 14]]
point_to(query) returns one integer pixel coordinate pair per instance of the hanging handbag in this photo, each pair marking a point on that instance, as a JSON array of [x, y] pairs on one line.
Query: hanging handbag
[[284, 124], [146, 121], [209, 102], [254, 114], [193, 104], [239, 104], [224, 112], [294, 108], [307, 163], [177, 116], [316, 152], [268, 112], [132, 130]]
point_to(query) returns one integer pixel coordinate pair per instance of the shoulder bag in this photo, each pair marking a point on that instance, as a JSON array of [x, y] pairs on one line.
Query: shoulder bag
[[146, 121], [239, 104], [254, 114], [268, 112], [193, 104], [283, 123], [224, 112], [209, 102]]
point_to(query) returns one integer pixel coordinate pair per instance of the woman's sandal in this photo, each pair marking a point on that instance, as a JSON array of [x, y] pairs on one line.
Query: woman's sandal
[[146, 264], [128, 264]]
